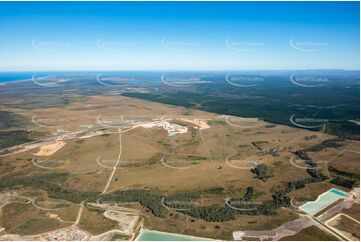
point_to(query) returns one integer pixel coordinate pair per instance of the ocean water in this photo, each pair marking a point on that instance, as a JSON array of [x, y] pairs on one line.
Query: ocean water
[[15, 76], [153, 235], [136, 77], [323, 201]]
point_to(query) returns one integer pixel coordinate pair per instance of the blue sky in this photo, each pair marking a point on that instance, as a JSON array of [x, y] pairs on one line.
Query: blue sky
[[179, 35]]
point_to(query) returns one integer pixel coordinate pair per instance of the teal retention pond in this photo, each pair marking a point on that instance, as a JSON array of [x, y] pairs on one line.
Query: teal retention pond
[[323, 200], [153, 235]]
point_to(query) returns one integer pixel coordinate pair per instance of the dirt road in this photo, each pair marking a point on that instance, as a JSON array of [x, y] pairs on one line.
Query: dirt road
[[116, 164]]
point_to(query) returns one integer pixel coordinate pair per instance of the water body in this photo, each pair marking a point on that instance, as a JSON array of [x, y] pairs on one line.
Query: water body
[[153, 235], [323, 200], [15, 76]]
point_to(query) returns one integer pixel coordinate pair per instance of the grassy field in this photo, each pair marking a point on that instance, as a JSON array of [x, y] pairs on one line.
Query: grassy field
[[11, 120], [95, 222], [353, 212], [26, 219], [217, 163], [347, 226], [310, 233], [35, 226]]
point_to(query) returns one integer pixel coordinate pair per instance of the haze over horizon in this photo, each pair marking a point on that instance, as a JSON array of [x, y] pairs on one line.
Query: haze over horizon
[[174, 70], [121, 36]]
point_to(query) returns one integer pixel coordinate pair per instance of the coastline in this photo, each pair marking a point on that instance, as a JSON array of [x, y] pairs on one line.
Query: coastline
[[3, 83]]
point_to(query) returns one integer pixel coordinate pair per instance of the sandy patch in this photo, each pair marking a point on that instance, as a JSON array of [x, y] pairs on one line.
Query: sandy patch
[[127, 221], [202, 124], [172, 129], [49, 149]]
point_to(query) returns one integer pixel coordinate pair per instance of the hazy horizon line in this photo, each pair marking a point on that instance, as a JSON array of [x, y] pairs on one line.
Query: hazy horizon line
[[183, 70]]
